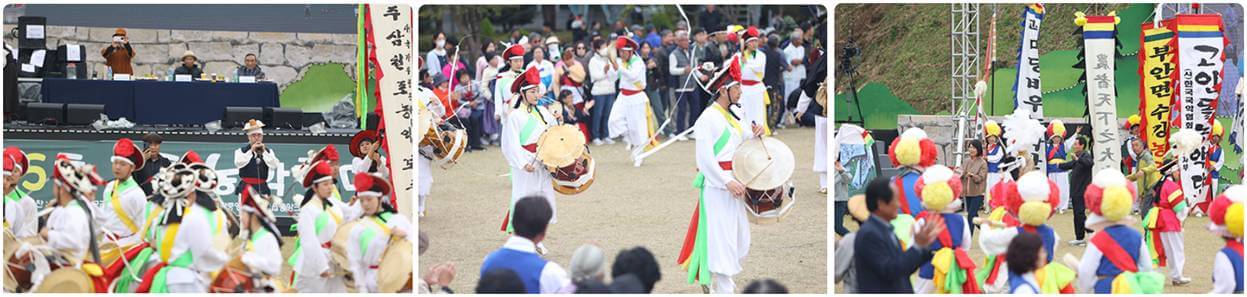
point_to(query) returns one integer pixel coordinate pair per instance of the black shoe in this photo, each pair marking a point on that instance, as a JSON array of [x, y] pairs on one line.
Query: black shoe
[[476, 148]]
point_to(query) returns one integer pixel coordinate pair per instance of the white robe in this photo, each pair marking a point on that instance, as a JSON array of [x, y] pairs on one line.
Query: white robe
[[820, 139], [628, 114], [263, 254], [751, 95], [194, 236], [364, 164], [524, 183], [1223, 278], [69, 230], [727, 224], [21, 216], [131, 202], [363, 262], [314, 259]]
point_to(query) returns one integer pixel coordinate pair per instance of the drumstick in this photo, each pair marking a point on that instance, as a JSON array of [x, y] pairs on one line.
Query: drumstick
[[1070, 261], [980, 221]]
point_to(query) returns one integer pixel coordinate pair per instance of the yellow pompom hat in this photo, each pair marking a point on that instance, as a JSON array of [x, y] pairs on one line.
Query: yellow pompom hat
[[992, 128], [938, 187], [1109, 197], [1226, 212], [1037, 198], [1217, 129], [913, 148], [1056, 128], [1132, 121]]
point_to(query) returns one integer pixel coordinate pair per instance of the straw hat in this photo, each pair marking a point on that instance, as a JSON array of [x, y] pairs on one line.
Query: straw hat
[[857, 207], [190, 54], [560, 145], [66, 281], [576, 72], [252, 125], [762, 163]]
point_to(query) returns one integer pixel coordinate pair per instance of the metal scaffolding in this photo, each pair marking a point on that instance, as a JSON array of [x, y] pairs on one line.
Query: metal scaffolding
[[964, 58]]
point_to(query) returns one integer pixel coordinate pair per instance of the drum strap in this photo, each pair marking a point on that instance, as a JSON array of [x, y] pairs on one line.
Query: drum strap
[[119, 187], [730, 119], [15, 196]]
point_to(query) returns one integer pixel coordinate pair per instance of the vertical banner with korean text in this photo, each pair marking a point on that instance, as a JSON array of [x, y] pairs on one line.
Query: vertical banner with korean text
[[1100, 48], [1201, 56], [389, 34], [1027, 95], [1156, 71]]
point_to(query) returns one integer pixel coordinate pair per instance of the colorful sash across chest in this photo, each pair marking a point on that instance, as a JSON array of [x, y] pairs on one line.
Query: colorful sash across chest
[[951, 269], [115, 202], [1118, 269], [693, 255]]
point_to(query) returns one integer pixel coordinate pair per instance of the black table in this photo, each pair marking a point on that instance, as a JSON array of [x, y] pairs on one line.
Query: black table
[[161, 102]]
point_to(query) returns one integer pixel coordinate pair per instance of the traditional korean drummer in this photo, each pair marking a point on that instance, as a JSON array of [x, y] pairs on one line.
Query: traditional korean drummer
[[120, 215], [19, 209], [372, 235], [262, 252], [717, 243], [319, 217], [522, 128], [68, 225]]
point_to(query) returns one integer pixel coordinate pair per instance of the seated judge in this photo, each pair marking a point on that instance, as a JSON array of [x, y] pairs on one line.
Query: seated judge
[[251, 67], [189, 65]]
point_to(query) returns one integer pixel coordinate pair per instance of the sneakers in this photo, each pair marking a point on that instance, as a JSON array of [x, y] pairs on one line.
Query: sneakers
[[597, 142], [609, 141], [1180, 281], [680, 138], [1078, 242], [822, 190]]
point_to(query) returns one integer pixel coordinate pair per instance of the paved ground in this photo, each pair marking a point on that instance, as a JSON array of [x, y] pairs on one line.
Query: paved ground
[[1201, 247], [648, 206]]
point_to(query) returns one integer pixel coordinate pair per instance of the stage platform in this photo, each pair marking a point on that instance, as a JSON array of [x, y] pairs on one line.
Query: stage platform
[[195, 134]]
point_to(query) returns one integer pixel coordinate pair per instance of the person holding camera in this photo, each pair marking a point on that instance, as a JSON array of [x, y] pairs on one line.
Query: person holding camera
[[254, 159], [119, 54]]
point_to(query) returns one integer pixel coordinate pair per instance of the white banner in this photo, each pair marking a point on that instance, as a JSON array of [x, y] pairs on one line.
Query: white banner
[[392, 54], [1027, 95], [1099, 51], [1201, 57]]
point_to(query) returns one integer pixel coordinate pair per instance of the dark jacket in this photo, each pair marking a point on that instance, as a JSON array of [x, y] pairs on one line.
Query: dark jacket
[[774, 68], [882, 267], [194, 71], [150, 167], [1080, 173]]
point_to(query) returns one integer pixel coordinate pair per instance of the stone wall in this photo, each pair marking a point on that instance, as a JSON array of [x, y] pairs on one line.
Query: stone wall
[[284, 56]]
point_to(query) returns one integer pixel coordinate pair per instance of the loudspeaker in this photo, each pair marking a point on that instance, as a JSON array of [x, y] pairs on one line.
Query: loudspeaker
[[45, 113], [82, 114], [284, 118], [32, 24], [236, 117], [312, 118], [64, 61]]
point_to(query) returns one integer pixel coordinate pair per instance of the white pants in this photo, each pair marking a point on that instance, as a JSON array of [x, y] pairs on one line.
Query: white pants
[[721, 284], [820, 150], [182, 280], [925, 285], [751, 102], [316, 284], [426, 179], [1176, 251], [992, 180], [727, 228], [628, 119], [1062, 182]]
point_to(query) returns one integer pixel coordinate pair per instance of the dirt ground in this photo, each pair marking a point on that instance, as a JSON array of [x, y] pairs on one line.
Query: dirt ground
[[625, 207], [1201, 247]]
